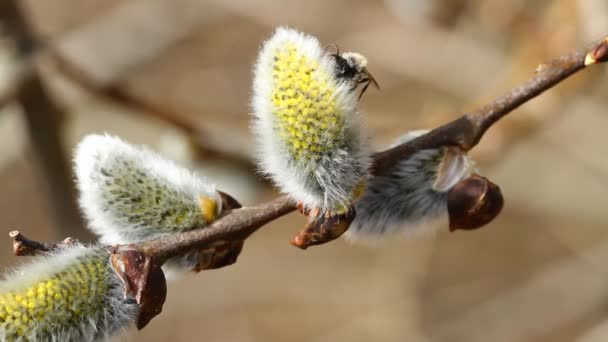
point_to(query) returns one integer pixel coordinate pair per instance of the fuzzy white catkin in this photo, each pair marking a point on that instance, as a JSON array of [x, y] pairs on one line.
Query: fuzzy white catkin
[[131, 194], [306, 124], [69, 295], [408, 199]]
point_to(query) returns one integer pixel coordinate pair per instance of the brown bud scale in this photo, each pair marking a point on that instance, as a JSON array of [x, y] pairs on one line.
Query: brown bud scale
[[473, 203]]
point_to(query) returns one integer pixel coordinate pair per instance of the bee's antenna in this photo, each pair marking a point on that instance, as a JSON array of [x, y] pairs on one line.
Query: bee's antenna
[[367, 82], [335, 46]]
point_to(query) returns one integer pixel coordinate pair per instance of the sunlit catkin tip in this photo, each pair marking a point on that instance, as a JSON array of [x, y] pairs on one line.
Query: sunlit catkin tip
[[309, 138], [70, 295], [208, 208], [130, 193]]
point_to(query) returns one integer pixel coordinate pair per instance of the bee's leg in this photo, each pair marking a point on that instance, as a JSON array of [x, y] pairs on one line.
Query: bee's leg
[[367, 82]]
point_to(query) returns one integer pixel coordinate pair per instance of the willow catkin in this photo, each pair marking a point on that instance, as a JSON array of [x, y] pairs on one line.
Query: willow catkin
[[309, 138], [69, 295], [411, 197], [130, 194]]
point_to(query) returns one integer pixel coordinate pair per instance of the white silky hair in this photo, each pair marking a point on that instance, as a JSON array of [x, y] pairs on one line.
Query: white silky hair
[[131, 194], [404, 201], [115, 314], [324, 184]]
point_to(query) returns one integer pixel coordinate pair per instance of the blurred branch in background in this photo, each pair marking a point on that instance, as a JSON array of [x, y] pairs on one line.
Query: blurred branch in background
[[87, 58], [44, 121]]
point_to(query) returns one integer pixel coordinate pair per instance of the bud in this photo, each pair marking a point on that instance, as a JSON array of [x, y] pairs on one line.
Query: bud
[[131, 194], [431, 189], [70, 295], [598, 54], [306, 123], [473, 203]]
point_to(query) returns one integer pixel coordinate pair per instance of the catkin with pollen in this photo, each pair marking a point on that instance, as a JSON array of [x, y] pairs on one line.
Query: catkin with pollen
[[131, 194], [411, 197], [306, 123], [69, 295]]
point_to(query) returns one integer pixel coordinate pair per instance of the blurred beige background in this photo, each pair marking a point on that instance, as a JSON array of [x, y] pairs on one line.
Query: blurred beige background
[[535, 274]]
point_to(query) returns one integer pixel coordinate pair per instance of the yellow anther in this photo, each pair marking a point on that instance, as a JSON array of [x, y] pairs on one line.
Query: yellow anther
[[208, 208]]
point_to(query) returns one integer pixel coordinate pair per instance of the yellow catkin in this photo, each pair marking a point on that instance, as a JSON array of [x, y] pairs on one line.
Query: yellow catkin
[[61, 299], [305, 110], [208, 208]]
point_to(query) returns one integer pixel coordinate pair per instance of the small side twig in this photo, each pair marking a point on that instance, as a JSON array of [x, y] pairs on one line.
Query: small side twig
[[22, 246]]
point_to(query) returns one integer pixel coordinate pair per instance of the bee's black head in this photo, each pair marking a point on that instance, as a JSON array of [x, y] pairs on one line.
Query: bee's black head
[[344, 69]]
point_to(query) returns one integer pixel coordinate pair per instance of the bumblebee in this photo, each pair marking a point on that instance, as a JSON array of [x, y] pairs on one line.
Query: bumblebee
[[352, 66]]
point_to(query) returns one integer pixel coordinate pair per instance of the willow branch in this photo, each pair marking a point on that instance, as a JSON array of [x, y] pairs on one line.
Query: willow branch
[[465, 132], [113, 93]]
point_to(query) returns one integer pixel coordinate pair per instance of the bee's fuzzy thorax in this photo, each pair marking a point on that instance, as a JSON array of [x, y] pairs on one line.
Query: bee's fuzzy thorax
[[306, 123], [409, 199], [130, 194], [355, 60], [69, 295]]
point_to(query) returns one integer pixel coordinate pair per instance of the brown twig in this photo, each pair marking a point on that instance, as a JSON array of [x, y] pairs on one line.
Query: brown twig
[[465, 132], [22, 246], [236, 225]]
